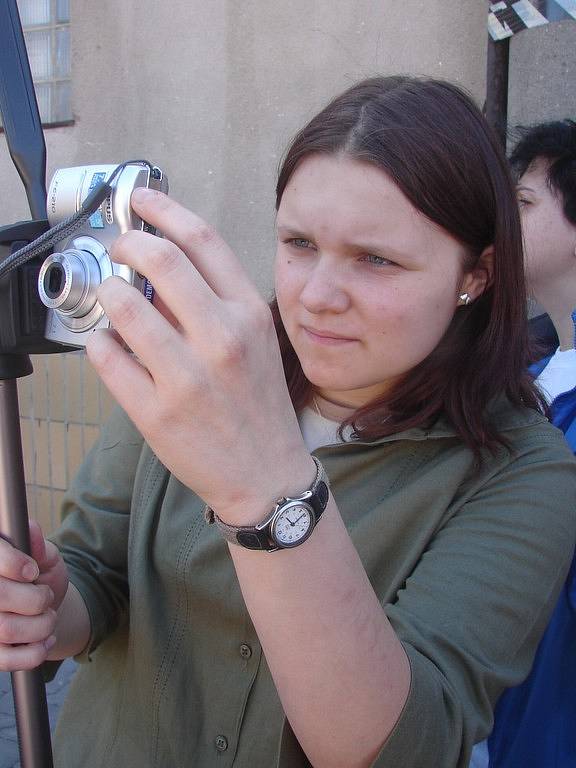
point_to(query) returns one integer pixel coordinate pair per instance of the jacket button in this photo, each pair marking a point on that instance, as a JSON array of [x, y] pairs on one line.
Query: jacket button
[[221, 743], [245, 651]]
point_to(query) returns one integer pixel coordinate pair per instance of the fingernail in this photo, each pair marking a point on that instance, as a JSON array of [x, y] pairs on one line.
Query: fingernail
[[141, 194], [30, 571], [50, 642]]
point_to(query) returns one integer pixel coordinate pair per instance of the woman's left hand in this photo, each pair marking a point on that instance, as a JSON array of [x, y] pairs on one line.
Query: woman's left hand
[[207, 390]]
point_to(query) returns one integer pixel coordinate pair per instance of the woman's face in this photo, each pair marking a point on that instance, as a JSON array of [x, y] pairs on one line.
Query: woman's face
[[366, 285]]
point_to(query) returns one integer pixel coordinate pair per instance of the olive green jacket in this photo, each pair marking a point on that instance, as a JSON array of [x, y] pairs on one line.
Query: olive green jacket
[[467, 565]]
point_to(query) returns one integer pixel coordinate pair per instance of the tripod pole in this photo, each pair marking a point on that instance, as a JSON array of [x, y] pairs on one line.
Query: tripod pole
[[32, 721], [25, 140]]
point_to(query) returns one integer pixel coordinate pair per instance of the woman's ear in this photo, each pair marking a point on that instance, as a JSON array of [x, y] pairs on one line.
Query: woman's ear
[[480, 277]]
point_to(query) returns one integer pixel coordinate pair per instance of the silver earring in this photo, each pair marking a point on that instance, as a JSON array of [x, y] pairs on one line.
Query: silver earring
[[464, 299]]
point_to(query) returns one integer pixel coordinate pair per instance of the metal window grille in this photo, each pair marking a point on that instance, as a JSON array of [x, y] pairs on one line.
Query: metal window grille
[[46, 25]]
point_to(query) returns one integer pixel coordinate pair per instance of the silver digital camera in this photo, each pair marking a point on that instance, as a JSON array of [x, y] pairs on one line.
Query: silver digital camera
[[69, 277]]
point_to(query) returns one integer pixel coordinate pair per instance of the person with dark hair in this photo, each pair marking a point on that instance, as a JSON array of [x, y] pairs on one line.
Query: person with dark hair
[[324, 532], [535, 723]]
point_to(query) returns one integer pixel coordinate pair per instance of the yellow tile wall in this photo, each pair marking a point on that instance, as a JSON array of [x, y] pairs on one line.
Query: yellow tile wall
[[62, 405]]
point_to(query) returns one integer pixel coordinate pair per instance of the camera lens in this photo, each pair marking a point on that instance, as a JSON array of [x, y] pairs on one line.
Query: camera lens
[[54, 279], [68, 281]]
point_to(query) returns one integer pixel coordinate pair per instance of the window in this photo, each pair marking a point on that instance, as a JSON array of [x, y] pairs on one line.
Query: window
[[46, 25]]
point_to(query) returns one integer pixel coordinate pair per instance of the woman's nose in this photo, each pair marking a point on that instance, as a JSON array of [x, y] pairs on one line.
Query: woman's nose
[[325, 289]]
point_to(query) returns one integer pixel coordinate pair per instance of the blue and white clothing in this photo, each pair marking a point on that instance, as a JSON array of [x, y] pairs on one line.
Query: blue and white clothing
[[535, 723]]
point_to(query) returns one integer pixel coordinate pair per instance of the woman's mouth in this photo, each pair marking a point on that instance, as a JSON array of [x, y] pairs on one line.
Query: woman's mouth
[[326, 338]]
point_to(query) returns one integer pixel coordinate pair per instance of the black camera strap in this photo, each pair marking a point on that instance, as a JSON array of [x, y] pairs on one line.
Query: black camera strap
[[68, 226]]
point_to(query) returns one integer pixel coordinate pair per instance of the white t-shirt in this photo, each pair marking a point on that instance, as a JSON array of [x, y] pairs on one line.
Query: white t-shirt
[[318, 430], [559, 375]]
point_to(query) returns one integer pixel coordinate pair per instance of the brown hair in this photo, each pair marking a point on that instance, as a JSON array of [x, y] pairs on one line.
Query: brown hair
[[430, 138]]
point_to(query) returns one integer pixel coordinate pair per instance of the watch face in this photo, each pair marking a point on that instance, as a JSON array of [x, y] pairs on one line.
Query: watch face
[[293, 524]]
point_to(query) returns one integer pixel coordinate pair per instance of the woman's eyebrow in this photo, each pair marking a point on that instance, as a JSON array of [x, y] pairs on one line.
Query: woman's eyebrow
[[380, 248], [286, 229]]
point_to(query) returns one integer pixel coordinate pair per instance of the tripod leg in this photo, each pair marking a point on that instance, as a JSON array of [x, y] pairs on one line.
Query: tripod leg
[[28, 687]]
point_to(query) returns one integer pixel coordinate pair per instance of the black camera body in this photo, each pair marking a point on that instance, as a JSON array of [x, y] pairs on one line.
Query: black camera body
[[22, 314]]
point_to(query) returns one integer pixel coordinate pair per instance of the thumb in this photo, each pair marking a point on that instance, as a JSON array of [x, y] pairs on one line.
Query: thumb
[[37, 543]]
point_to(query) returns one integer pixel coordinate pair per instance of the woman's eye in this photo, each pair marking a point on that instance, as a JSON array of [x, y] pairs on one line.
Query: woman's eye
[[378, 261], [300, 242]]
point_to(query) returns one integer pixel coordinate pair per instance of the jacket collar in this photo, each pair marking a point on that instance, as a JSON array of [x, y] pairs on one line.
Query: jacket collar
[[500, 411]]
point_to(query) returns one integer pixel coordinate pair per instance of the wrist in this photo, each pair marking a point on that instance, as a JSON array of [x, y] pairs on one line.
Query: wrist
[[290, 521], [252, 506]]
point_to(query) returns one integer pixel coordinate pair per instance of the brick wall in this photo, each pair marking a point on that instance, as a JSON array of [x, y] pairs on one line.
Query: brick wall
[[62, 405]]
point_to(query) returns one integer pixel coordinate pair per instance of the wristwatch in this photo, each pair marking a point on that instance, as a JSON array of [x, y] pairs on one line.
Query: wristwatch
[[290, 522]]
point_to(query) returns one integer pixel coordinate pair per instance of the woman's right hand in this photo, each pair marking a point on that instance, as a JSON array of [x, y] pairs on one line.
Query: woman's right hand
[[31, 591]]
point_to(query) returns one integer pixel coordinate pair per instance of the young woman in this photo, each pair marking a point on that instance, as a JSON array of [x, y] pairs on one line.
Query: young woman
[[392, 609]]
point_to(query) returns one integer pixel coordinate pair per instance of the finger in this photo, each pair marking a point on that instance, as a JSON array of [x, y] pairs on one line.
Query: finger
[[16, 565], [22, 657], [148, 334], [24, 599], [51, 556], [26, 629], [201, 243], [181, 294], [175, 279], [128, 382], [159, 304], [44, 552]]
